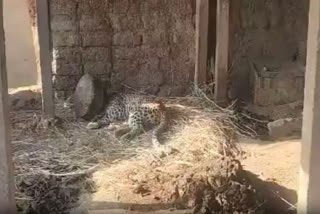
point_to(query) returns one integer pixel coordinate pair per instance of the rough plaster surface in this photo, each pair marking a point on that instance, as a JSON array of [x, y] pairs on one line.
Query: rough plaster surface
[[20, 55], [148, 45], [273, 30]]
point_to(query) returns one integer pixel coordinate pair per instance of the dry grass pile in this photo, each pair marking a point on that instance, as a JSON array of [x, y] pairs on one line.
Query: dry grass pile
[[54, 161], [51, 173], [197, 168]]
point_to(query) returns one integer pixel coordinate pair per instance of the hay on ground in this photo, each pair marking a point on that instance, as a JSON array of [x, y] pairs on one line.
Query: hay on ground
[[196, 168]]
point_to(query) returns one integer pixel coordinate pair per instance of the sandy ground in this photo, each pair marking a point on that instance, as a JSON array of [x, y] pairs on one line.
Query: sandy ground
[[275, 161], [272, 161]]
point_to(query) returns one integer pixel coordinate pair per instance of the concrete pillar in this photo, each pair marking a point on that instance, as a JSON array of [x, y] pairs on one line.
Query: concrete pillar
[[7, 196], [309, 183]]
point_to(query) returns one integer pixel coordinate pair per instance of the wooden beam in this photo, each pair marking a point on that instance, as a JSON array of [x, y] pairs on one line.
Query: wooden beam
[[309, 190], [45, 52], [202, 20], [212, 31], [222, 49], [7, 197]]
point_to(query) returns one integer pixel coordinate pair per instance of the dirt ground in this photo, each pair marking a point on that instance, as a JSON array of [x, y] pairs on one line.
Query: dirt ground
[[272, 161], [277, 161]]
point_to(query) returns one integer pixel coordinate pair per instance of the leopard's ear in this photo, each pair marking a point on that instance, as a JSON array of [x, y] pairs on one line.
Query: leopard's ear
[[160, 103]]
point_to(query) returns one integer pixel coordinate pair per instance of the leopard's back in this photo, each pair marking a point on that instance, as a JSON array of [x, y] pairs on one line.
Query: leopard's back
[[139, 112], [149, 114]]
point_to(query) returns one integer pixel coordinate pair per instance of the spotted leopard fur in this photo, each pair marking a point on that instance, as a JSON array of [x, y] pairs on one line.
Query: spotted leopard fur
[[138, 112]]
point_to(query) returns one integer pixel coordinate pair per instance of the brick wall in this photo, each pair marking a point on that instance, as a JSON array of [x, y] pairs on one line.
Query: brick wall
[[145, 44]]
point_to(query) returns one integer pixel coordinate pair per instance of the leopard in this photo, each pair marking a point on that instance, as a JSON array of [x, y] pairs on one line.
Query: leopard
[[140, 113]]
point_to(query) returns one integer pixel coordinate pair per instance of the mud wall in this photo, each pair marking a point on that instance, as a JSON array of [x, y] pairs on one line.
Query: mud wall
[[21, 60], [271, 31], [147, 45]]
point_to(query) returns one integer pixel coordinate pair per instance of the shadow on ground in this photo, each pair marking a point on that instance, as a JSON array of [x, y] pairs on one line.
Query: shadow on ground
[[279, 199]]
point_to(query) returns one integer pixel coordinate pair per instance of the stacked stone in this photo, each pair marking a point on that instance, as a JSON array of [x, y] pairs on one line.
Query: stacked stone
[[148, 45]]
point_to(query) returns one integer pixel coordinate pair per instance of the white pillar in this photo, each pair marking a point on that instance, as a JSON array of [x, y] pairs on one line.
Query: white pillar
[[309, 186], [7, 197]]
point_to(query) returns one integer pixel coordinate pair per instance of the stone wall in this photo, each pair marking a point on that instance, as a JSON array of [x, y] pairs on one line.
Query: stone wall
[[273, 32], [144, 44]]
